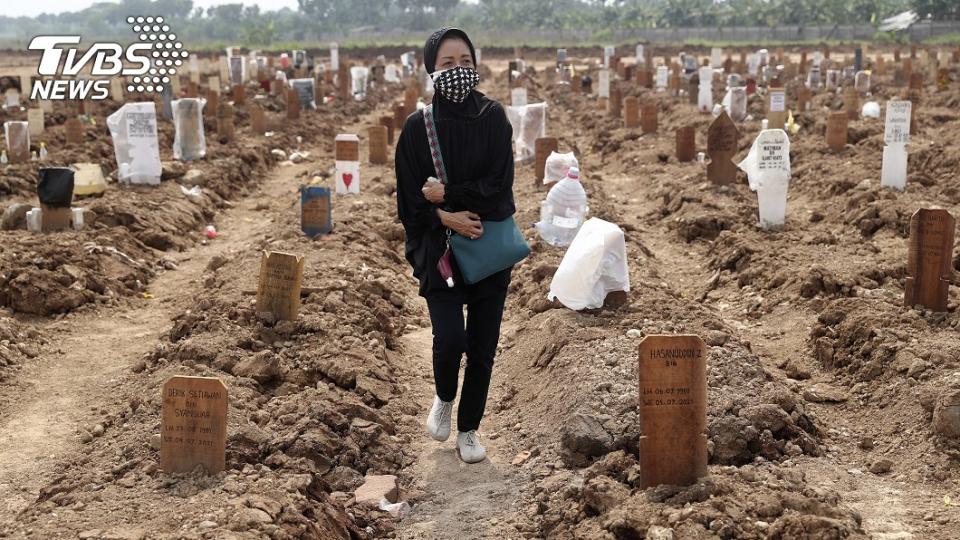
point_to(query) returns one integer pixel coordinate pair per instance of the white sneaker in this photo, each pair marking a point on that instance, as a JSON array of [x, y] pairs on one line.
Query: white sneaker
[[438, 423], [468, 443]]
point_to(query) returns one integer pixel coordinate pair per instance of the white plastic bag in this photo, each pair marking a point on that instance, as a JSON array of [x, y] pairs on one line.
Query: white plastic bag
[[529, 124], [870, 109], [134, 131], [557, 166], [189, 142], [594, 265]]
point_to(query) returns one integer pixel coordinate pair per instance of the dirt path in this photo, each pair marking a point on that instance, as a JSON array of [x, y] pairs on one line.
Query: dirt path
[[458, 500], [68, 387]]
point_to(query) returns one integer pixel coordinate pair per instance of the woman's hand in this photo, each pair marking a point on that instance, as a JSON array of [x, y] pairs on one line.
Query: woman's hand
[[434, 192], [465, 223]]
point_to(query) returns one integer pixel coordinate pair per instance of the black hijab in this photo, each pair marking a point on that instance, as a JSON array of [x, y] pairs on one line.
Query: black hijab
[[476, 105]]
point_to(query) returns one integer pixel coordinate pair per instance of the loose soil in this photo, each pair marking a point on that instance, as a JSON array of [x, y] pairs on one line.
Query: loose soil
[[825, 393]]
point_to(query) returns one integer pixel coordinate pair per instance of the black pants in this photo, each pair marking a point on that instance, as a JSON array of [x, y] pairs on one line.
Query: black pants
[[478, 339]]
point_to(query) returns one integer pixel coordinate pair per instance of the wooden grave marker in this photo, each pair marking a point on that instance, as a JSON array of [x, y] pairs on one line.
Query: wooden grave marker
[[293, 104], [672, 410], [410, 96], [686, 143], [225, 127], [18, 141], [278, 292], [316, 216], [615, 102], [346, 149], [804, 98], [631, 112], [193, 427], [74, 131], [116, 89], [35, 119], [343, 82], [837, 130], [929, 259], [399, 116], [377, 136], [916, 81], [239, 94], [213, 102], [851, 102], [542, 148], [776, 108], [258, 120], [387, 122], [648, 118], [722, 145]]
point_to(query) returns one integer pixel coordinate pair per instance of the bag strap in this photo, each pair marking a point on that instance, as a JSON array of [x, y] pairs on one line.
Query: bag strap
[[434, 144]]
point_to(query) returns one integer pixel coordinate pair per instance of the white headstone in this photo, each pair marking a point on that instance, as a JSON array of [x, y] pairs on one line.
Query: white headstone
[[608, 52], [768, 171], [604, 85], [334, 56], [663, 78], [641, 59], [518, 97], [896, 135], [716, 57], [134, 131], [705, 96]]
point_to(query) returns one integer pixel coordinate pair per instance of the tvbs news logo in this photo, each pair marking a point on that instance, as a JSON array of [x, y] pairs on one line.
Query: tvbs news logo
[[149, 63]]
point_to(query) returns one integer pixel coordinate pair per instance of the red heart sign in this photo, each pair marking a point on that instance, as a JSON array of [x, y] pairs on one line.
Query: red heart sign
[[347, 179]]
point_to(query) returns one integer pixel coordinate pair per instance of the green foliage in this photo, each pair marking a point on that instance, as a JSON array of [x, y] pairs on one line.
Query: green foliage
[[317, 21]]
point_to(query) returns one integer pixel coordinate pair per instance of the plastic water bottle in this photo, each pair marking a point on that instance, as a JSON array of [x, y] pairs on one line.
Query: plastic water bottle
[[564, 210]]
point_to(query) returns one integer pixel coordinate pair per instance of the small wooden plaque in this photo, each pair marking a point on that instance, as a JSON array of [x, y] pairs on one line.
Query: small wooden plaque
[[631, 112], [239, 94], [686, 144], [722, 145], [293, 104], [377, 136], [410, 96], [837, 130], [648, 118], [35, 119], [387, 122], [542, 148], [804, 97], [278, 291], [645, 78], [343, 82], [929, 259], [18, 141], [213, 102], [74, 131], [615, 103], [851, 102], [258, 120], [777, 110], [672, 410], [225, 126], [193, 428], [916, 81], [346, 149]]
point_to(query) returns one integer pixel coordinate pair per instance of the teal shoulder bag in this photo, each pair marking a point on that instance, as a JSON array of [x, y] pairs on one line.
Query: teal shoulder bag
[[499, 247]]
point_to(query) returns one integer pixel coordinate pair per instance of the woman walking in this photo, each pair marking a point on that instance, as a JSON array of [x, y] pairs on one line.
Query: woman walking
[[475, 142]]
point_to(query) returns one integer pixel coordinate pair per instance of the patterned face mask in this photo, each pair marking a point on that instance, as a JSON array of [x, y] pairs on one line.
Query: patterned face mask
[[456, 83]]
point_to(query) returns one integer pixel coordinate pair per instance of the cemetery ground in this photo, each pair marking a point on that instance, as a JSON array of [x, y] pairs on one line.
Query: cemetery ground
[[823, 390]]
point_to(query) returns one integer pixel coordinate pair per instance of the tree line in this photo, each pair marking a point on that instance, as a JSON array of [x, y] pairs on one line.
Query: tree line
[[318, 20]]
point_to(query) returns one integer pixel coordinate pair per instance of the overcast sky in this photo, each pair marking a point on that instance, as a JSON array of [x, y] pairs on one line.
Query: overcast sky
[[36, 7]]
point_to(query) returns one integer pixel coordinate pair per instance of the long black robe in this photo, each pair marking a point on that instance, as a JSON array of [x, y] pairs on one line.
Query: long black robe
[[476, 142]]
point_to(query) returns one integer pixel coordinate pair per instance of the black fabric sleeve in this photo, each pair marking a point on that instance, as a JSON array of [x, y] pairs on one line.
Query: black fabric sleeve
[[484, 194], [416, 213]]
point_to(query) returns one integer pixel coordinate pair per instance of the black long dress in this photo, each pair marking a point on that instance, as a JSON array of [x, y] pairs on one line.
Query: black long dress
[[476, 142]]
